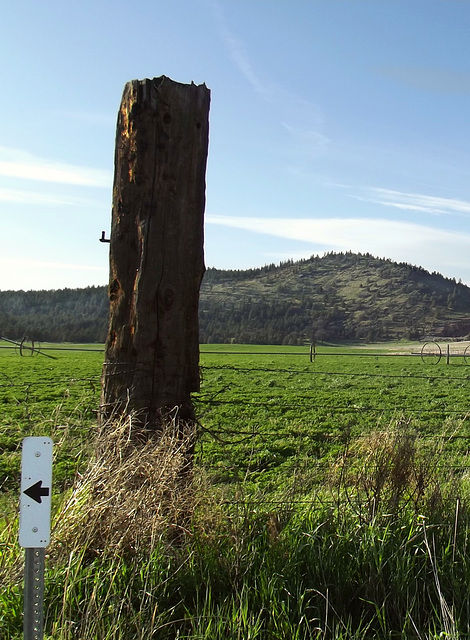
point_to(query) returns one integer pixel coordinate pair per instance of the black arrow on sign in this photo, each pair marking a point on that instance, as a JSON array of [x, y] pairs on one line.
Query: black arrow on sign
[[37, 491]]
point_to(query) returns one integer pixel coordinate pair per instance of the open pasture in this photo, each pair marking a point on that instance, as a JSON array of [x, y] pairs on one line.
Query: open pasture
[[55, 396], [332, 500], [269, 416]]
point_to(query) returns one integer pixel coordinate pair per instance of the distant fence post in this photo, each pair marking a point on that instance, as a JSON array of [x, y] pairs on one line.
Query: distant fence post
[[156, 251], [312, 351]]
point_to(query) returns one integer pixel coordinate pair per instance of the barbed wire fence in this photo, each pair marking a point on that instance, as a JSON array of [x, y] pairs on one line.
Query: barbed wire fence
[[273, 431]]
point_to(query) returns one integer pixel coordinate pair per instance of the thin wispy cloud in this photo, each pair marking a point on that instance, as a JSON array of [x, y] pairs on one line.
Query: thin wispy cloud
[[238, 53], [16, 163], [400, 241], [292, 106], [415, 201], [35, 198], [340, 233], [241, 60], [43, 264]]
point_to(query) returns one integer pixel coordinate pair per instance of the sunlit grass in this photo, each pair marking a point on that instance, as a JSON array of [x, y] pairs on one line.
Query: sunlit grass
[[330, 500]]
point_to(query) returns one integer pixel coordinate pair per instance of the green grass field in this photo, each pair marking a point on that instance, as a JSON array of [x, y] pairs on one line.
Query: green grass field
[[332, 499], [268, 416]]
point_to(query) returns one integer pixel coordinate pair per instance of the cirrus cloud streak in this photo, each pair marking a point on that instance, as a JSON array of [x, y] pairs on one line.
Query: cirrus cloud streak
[[416, 202], [16, 163], [429, 247]]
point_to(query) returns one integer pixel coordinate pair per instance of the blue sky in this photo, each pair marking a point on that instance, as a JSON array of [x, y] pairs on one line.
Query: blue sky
[[334, 125]]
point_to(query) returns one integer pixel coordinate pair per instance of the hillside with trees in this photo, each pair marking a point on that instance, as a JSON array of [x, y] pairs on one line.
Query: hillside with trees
[[337, 297], [65, 315]]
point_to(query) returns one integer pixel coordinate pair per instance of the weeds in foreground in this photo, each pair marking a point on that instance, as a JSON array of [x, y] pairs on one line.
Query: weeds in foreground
[[317, 570], [137, 488], [394, 471]]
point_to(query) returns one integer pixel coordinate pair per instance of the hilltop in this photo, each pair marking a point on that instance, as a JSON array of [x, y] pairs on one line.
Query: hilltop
[[340, 296]]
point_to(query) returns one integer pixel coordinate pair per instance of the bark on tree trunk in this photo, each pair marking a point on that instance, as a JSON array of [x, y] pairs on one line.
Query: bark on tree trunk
[[156, 251]]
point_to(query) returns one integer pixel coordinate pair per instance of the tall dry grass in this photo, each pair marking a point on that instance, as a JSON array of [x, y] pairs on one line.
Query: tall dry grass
[[137, 490], [141, 550]]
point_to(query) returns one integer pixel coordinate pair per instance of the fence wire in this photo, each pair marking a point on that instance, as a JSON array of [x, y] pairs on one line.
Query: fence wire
[[238, 392]]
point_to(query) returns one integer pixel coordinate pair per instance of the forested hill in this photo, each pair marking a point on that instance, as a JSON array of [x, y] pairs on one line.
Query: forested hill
[[340, 296], [65, 315]]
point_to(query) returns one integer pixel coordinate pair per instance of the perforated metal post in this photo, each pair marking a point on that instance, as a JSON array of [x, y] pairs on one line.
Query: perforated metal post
[[35, 525], [33, 621]]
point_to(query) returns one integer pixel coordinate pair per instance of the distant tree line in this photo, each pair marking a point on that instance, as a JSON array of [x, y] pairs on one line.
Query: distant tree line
[[64, 315], [340, 296]]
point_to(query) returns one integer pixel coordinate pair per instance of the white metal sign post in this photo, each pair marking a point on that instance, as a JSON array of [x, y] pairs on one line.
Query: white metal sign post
[[35, 526]]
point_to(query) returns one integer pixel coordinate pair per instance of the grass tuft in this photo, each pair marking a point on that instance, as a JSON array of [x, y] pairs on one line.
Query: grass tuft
[[136, 490]]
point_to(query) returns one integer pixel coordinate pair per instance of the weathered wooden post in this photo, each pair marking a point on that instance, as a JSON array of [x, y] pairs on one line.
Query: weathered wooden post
[[156, 251]]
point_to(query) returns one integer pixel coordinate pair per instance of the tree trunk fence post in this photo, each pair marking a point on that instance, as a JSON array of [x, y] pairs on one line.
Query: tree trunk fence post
[[156, 252]]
